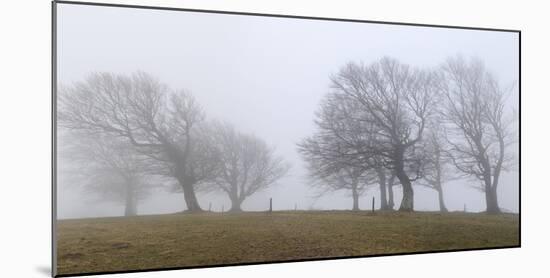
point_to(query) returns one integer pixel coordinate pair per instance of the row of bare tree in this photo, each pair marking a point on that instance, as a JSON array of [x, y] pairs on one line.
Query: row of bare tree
[[388, 123], [132, 133]]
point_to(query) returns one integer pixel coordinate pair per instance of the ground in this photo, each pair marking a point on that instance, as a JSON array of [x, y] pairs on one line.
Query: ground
[[185, 240]]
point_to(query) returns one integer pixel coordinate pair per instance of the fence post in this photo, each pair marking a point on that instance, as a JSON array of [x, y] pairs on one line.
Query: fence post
[[223, 209], [270, 205], [210, 207], [372, 204]]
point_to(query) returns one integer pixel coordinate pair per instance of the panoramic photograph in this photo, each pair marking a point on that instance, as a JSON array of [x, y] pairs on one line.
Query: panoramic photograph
[[198, 139]]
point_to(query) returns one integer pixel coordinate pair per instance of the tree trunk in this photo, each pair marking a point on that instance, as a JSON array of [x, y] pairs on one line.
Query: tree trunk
[[490, 190], [235, 204], [189, 195], [438, 180], [180, 157], [191, 199], [407, 203], [355, 197], [130, 206], [492, 200], [442, 207], [382, 183], [391, 204], [235, 208]]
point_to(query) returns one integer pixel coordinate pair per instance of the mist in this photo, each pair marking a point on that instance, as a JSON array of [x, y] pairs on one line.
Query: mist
[[266, 77]]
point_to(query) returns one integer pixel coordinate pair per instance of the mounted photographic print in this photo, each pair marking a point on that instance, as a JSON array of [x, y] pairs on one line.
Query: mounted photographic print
[[190, 138]]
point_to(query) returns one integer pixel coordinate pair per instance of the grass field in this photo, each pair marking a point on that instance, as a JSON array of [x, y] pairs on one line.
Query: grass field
[[184, 240]]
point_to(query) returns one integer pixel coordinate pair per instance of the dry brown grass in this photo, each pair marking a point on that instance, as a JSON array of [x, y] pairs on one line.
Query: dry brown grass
[[184, 240]]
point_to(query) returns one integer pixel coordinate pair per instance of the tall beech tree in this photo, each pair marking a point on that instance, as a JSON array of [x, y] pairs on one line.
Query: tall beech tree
[[159, 122], [110, 169], [246, 164], [394, 104], [479, 125], [436, 171], [331, 152]]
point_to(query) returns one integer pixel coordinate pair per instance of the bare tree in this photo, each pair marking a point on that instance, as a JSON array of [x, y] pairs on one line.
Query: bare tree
[[352, 179], [110, 169], [349, 137], [480, 129], [384, 185], [391, 183], [333, 152], [159, 122], [394, 103], [436, 172], [247, 164]]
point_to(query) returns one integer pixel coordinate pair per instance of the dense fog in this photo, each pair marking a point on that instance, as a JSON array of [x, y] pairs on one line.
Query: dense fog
[[259, 79]]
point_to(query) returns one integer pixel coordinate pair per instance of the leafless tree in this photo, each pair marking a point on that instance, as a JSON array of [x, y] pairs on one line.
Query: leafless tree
[[110, 169], [393, 104], [352, 179], [247, 164], [159, 122], [436, 172], [332, 152], [385, 187], [480, 129], [348, 138], [391, 183]]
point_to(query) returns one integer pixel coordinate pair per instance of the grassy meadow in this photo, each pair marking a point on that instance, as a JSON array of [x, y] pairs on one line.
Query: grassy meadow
[[187, 240]]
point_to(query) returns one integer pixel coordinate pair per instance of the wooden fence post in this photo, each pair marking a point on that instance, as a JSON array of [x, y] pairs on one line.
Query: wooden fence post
[[372, 204], [270, 205]]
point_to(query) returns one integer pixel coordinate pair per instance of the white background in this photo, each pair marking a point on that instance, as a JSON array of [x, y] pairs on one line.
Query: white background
[[25, 137]]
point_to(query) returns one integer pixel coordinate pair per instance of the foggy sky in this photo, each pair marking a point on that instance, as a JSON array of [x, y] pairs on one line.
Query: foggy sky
[[266, 76]]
